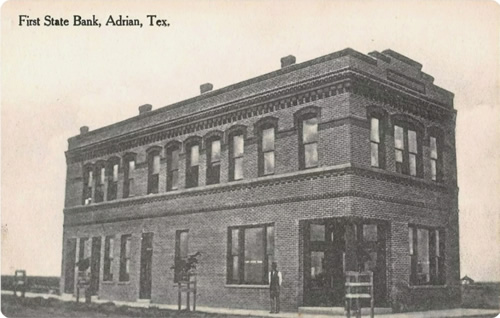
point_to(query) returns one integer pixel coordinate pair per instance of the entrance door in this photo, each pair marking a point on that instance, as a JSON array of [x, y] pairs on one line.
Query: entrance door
[[333, 246], [324, 264], [69, 269], [95, 265], [146, 265]]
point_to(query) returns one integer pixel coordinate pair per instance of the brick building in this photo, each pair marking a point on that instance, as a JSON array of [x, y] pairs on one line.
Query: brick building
[[344, 162]]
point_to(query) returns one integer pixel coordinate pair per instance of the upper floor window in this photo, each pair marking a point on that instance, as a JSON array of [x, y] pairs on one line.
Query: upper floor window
[[181, 252], [192, 165], [436, 155], [309, 142], [125, 257], [407, 150], [250, 253], [112, 180], [426, 256], [129, 174], [153, 171], [173, 167], [236, 152], [99, 183], [266, 153], [213, 161], [88, 181], [377, 143], [108, 258]]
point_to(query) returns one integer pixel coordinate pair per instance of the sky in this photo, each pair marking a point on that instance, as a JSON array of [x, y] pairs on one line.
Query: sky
[[58, 78]]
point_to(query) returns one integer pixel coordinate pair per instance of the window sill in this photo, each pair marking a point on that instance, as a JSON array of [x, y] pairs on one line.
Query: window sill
[[108, 282], [247, 286], [428, 286], [124, 283]]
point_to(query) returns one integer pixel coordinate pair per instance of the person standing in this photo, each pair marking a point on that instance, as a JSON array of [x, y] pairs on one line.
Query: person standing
[[275, 280]]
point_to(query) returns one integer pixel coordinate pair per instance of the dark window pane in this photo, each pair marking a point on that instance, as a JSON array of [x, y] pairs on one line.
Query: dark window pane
[[413, 165], [254, 255], [236, 268], [235, 246], [183, 244], [433, 146], [318, 278], [174, 164], [412, 141], [270, 240]]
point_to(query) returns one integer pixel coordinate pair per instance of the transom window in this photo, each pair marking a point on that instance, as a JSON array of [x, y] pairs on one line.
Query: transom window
[[250, 254], [427, 256]]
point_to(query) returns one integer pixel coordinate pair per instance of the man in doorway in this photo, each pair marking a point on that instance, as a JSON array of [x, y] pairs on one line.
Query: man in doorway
[[275, 280]]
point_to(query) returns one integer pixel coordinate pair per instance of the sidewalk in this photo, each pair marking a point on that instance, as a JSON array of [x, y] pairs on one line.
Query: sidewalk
[[458, 312]]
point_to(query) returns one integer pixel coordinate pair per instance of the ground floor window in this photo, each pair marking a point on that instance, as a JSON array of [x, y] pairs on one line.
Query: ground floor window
[[426, 255], [181, 253], [125, 258], [250, 254], [108, 258]]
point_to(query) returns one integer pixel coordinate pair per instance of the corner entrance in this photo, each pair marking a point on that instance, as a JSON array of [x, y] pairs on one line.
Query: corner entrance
[[333, 246]]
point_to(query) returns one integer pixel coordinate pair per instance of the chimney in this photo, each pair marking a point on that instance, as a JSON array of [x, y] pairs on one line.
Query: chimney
[[145, 108], [207, 87], [287, 61], [84, 130]]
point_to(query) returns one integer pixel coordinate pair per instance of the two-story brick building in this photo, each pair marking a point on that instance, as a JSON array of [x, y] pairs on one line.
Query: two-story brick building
[[344, 162]]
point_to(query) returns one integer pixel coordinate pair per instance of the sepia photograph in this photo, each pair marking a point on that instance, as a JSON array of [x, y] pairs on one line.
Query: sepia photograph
[[258, 158]]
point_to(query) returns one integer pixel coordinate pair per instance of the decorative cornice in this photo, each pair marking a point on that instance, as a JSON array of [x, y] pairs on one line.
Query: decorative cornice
[[344, 80], [312, 174]]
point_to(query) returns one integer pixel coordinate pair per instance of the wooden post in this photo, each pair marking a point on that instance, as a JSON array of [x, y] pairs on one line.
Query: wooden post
[[179, 296]]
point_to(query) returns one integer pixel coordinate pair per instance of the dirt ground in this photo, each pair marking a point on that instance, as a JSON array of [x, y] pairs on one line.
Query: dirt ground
[[40, 307]]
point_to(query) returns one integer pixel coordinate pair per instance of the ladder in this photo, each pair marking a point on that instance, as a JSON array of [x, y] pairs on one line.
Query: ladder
[[358, 285]]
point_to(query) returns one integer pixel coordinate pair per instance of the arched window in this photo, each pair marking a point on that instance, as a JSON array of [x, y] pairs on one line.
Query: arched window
[[100, 179], [172, 151], [112, 173], [236, 145], [213, 144], [266, 130], [88, 183], [306, 120], [129, 175], [192, 147], [153, 170]]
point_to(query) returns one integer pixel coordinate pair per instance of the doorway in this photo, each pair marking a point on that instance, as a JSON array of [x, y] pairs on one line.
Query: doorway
[[69, 272], [95, 265], [333, 246], [146, 265]]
